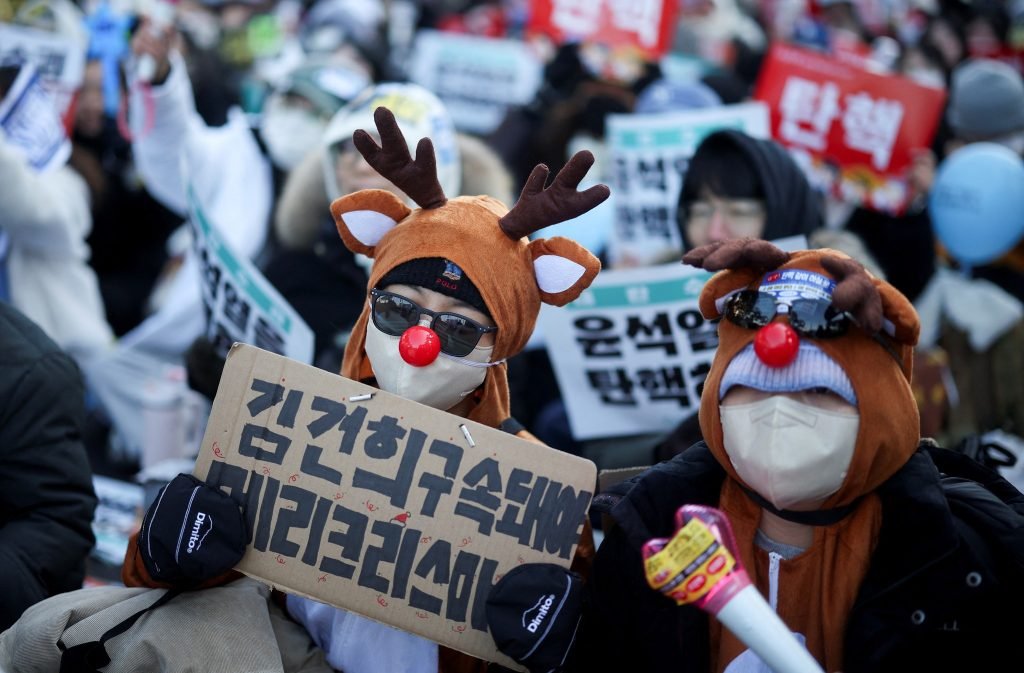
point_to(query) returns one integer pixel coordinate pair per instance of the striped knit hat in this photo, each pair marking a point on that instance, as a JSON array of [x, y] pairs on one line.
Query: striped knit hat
[[812, 368]]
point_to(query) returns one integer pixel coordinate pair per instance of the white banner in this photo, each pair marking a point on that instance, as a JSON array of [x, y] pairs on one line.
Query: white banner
[[478, 78], [632, 352], [650, 155], [30, 124], [59, 60], [240, 304]]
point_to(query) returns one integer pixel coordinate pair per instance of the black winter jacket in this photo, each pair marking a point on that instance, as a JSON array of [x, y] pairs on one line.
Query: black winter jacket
[[943, 593], [46, 494]]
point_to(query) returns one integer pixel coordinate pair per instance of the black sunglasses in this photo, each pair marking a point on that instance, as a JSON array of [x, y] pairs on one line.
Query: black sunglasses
[[393, 314], [813, 318]]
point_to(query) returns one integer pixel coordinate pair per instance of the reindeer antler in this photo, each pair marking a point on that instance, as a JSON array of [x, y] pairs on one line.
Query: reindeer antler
[[854, 292], [416, 178], [739, 253], [538, 207]]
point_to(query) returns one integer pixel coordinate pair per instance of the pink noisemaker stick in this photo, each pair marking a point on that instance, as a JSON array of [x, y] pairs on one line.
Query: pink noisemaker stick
[[700, 565]]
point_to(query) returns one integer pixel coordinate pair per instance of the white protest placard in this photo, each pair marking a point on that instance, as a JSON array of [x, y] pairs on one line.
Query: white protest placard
[[59, 60], [478, 78], [30, 124], [382, 506], [240, 304], [632, 352], [649, 155]]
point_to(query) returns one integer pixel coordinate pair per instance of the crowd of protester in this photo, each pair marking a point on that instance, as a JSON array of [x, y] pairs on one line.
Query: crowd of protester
[[248, 108]]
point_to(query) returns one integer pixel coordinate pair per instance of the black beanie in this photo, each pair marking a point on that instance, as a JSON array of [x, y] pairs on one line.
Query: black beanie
[[440, 275]]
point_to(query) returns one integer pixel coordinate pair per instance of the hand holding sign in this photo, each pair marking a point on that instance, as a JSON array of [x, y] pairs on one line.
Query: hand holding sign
[[382, 506]]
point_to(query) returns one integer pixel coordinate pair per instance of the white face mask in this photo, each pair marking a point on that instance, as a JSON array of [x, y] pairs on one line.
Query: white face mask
[[788, 452], [442, 384], [290, 133]]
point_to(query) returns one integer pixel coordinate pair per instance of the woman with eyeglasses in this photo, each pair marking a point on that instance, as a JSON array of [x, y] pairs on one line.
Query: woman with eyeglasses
[[738, 186]]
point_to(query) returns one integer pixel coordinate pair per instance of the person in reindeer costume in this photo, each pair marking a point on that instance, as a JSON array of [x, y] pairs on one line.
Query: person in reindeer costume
[[455, 289], [880, 551]]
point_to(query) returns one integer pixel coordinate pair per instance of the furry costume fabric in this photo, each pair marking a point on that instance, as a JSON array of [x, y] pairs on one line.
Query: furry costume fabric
[[876, 354]]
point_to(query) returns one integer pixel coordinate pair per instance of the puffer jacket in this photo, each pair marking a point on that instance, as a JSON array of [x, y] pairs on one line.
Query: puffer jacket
[[947, 572]]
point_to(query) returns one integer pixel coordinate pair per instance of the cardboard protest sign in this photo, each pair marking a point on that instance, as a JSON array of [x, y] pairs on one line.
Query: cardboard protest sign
[[649, 156], [383, 506], [30, 122], [240, 304], [643, 25], [60, 61], [478, 78], [852, 130]]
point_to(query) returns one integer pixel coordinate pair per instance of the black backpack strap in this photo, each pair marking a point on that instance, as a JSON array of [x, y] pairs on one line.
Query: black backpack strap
[[92, 656]]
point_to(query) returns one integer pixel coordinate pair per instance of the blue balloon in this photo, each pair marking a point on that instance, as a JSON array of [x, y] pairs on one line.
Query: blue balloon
[[977, 202]]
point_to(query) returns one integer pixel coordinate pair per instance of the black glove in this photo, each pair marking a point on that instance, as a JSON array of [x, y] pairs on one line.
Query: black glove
[[533, 613], [191, 533]]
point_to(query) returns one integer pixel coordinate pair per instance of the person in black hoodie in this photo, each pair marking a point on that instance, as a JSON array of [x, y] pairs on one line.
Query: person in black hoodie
[[738, 186], [46, 494]]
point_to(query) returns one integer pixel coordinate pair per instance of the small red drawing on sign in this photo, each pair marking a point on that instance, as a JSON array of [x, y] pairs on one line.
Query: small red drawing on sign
[[216, 450], [280, 560], [339, 496], [459, 629], [266, 470], [322, 578], [520, 560], [421, 615], [382, 602], [370, 506], [465, 541], [426, 539], [401, 519], [293, 478]]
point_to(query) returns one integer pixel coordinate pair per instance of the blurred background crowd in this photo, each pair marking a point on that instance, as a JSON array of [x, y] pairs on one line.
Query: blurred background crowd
[[150, 149]]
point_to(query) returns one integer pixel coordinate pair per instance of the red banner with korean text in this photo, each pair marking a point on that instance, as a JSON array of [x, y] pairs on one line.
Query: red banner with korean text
[[853, 131], [644, 25]]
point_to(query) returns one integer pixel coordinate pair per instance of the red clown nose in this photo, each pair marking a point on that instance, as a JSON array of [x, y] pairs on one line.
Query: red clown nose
[[419, 346], [776, 344]]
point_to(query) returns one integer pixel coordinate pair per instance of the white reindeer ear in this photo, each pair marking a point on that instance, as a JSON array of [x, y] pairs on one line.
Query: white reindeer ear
[[556, 274], [563, 269], [364, 217]]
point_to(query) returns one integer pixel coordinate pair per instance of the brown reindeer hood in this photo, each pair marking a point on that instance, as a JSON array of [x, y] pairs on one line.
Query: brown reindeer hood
[[513, 274], [876, 353], [818, 588]]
